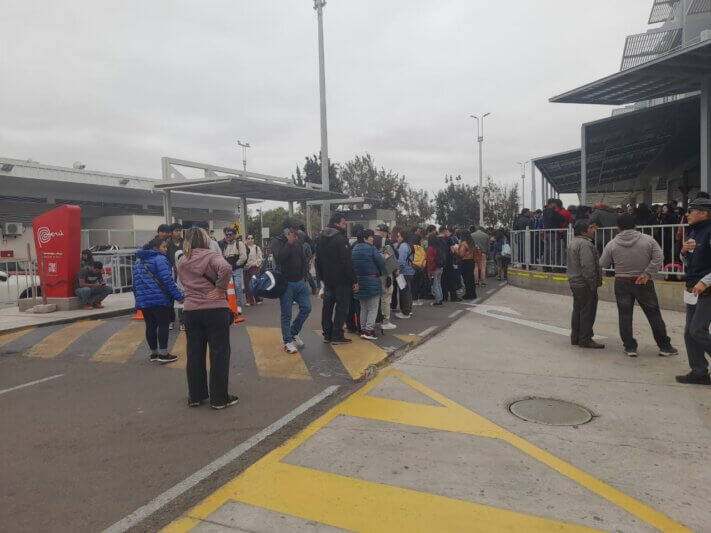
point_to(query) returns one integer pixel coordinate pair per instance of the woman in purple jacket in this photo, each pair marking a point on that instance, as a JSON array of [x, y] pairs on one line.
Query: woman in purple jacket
[[205, 276]]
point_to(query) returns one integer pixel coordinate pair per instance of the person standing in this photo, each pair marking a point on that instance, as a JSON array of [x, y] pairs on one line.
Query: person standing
[[449, 281], [369, 266], [387, 250], [405, 257], [205, 277], [155, 292], [696, 253], [637, 258], [252, 266], [466, 251], [234, 251], [502, 254], [292, 261], [435, 265], [335, 270], [175, 242], [584, 277], [481, 239]]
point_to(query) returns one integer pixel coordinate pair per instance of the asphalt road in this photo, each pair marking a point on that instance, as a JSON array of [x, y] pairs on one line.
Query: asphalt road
[[110, 431]]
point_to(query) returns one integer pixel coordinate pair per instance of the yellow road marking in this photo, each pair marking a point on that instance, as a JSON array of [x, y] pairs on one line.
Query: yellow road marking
[[357, 504], [7, 338], [271, 359], [559, 278], [540, 276], [413, 340], [358, 355], [55, 343], [121, 346]]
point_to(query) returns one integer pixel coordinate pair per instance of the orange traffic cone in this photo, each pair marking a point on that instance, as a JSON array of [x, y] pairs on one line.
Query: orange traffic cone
[[139, 315], [232, 299]]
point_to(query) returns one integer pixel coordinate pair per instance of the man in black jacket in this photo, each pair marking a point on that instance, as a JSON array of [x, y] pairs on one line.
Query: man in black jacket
[[292, 262], [335, 270]]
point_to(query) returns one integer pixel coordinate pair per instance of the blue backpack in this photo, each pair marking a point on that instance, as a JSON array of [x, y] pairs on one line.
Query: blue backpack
[[268, 284]]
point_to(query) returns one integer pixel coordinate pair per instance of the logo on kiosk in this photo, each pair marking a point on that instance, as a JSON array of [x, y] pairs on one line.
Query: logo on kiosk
[[44, 235]]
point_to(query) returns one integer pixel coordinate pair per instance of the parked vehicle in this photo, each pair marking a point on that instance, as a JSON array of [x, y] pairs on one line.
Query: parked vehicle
[[17, 286]]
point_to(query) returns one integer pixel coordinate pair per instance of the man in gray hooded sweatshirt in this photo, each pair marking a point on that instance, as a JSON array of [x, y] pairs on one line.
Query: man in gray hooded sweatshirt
[[637, 258]]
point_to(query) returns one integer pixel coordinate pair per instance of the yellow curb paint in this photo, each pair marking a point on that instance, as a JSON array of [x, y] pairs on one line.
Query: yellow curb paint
[[271, 359], [7, 338], [520, 274], [540, 276], [559, 278], [412, 340], [121, 346], [356, 504], [358, 355], [55, 343]]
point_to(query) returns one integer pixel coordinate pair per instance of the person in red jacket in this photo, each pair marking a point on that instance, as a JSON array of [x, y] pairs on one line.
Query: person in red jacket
[[435, 267]]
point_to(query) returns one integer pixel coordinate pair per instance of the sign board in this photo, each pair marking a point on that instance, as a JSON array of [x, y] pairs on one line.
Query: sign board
[[265, 233], [57, 236]]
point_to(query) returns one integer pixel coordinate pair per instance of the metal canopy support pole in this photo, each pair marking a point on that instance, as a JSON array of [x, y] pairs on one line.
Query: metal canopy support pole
[[243, 215], [325, 180], [167, 207], [533, 186], [291, 208], [583, 166], [706, 134]]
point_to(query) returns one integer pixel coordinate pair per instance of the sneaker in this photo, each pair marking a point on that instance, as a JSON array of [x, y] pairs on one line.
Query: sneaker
[[166, 358], [326, 338], [239, 309], [260, 302], [182, 327], [694, 379], [194, 403], [231, 400], [436, 304], [298, 342], [418, 303], [457, 299], [290, 347], [98, 305], [592, 344], [369, 335], [341, 340], [388, 325], [632, 352], [248, 305], [400, 315], [170, 326], [153, 358], [668, 351]]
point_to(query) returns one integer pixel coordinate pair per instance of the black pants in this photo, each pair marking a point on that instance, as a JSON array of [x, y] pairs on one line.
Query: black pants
[[405, 296], [696, 335], [466, 266], [157, 321], [208, 327], [626, 293], [336, 298], [449, 282], [584, 311]]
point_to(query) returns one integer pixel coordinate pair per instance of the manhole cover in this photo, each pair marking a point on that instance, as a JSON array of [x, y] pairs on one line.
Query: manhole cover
[[551, 412]]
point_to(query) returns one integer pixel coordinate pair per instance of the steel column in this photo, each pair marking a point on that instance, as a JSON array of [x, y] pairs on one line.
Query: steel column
[[243, 215], [533, 186], [167, 207], [583, 166], [706, 134]]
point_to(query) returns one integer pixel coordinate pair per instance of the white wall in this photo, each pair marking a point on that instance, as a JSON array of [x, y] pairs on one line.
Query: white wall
[[19, 244]]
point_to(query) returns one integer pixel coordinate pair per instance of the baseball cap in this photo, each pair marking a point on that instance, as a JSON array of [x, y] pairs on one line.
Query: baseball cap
[[703, 204]]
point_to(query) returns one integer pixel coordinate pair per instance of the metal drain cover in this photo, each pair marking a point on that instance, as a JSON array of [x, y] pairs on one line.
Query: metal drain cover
[[551, 412]]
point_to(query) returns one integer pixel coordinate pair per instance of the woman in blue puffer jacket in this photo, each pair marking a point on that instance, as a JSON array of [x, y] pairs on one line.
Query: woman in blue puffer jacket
[[369, 265], [155, 291]]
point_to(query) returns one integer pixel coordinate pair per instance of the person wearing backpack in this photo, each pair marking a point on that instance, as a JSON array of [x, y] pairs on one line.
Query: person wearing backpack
[[419, 263], [155, 291]]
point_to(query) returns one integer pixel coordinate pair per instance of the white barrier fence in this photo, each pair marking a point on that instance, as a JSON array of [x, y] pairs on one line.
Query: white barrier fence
[[547, 249], [16, 280]]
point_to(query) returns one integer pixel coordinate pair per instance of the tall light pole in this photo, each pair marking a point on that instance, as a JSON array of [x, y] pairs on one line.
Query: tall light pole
[[480, 138], [325, 183], [244, 153], [523, 181]]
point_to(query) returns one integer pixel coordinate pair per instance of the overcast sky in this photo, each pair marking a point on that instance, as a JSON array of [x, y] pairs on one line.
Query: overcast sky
[[118, 85]]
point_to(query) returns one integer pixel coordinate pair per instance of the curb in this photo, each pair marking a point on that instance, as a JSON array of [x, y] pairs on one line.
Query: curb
[[96, 316]]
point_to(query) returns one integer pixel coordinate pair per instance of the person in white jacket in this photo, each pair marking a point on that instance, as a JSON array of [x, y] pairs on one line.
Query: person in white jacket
[[255, 258]]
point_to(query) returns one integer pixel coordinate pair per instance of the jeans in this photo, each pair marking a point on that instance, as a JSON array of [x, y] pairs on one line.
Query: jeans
[[338, 297], [437, 286], [696, 335], [157, 321], [238, 277], [203, 328], [467, 268], [93, 295], [406, 296], [584, 311], [626, 293], [299, 292], [385, 298], [369, 312]]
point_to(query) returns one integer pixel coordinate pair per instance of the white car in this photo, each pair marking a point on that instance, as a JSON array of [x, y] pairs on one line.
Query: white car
[[15, 286]]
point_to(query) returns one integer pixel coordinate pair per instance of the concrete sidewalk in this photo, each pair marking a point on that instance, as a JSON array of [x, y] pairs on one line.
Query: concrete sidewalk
[[11, 319], [431, 444]]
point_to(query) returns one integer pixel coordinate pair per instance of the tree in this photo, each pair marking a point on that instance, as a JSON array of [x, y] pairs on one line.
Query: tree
[[501, 204], [418, 208], [386, 188], [311, 173], [274, 220], [458, 203]]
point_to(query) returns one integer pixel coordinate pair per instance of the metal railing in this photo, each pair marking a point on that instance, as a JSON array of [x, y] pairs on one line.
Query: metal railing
[[16, 280], [547, 249], [118, 268]]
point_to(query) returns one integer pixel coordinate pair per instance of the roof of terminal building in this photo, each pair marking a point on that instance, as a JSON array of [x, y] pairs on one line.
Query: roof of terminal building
[[622, 148], [678, 72]]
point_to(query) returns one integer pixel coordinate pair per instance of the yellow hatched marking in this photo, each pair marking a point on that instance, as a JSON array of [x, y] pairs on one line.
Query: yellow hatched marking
[[361, 505], [413, 340], [358, 355], [121, 346], [55, 343], [7, 338], [271, 359]]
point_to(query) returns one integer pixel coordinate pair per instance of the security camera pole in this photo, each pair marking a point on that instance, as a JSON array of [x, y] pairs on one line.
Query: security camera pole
[[480, 137], [325, 183], [244, 154]]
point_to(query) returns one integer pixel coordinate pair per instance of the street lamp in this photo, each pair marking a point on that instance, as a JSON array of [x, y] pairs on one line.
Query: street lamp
[[325, 184], [480, 138], [523, 181], [244, 153]]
